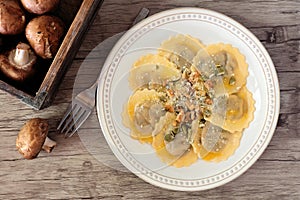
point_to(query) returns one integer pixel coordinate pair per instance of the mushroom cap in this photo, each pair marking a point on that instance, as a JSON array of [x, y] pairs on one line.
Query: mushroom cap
[[40, 7], [44, 34], [32, 137], [15, 71], [12, 17]]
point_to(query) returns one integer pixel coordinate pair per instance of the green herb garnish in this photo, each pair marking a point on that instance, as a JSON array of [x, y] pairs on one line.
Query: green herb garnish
[[163, 98], [204, 77], [232, 80], [207, 113], [169, 137], [220, 70]]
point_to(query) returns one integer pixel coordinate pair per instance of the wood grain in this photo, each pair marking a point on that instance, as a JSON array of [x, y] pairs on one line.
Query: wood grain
[[72, 172]]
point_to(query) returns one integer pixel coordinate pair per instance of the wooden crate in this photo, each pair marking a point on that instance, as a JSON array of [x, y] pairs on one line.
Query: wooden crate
[[39, 91]]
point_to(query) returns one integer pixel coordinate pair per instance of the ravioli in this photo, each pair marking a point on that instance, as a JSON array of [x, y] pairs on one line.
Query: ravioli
[[225, 61], [180, 50], [197, 147], [185, 157], [142, 113], [154, 59], [216, 144], [190, 101], [233, 112], [185, 160], [151, 74]]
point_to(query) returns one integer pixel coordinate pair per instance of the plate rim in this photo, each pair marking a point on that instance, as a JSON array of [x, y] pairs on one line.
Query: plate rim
[[107, 65]]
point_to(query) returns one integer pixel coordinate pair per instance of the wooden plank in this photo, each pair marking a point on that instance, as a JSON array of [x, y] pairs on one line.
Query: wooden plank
[[86, 178], [71, 171]]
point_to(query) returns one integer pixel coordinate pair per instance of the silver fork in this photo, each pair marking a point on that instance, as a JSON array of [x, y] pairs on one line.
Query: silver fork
[[83, 104], [78, 111]]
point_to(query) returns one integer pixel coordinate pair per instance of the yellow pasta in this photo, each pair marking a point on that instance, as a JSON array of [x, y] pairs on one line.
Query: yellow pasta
[[216, 144], [137, 114], [227, 62], [153, 59], [237, 111], [190, 101], [180, 49]]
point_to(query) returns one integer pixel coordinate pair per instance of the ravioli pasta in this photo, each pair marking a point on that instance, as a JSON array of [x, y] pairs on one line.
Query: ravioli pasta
[[233, 112], [189, 101], [227, 62], [152, 73], [180, 50], [144, 110]]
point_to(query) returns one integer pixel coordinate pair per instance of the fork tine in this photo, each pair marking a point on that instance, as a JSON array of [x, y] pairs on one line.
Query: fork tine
[[79, 118], [69, 119], [77, 126], [69, 110], [75, 118]]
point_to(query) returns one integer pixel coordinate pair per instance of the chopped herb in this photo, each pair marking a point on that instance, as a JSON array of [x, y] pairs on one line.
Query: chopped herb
[[188, 71], [201, 78], [169, 137], [163, 98], [204, 77], [232, 80], [207, 113], [220, 70], [175, 130]]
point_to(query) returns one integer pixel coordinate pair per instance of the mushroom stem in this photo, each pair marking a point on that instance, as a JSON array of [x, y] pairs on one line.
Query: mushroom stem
[[48, 145], [22, 54]]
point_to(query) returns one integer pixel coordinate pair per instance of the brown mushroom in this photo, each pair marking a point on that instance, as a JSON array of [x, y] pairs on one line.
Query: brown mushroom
[[18, 63], [44, 34], [12, 17], [33, 137], [40, 6]]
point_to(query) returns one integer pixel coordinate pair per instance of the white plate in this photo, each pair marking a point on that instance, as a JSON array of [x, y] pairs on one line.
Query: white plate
[[146, 37]]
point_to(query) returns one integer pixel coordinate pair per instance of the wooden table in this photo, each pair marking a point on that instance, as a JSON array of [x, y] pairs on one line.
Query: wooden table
[[70, 172]]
